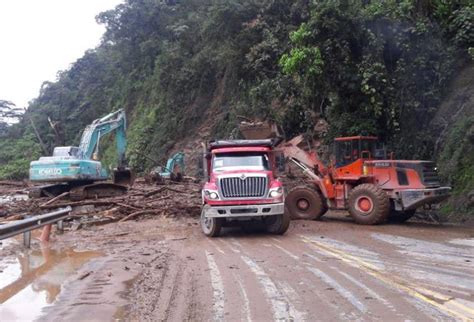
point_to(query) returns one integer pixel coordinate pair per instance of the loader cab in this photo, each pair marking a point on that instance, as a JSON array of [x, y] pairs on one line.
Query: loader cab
[[352, 149]]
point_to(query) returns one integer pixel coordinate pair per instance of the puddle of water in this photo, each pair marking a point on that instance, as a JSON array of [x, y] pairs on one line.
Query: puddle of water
[[33, 279]]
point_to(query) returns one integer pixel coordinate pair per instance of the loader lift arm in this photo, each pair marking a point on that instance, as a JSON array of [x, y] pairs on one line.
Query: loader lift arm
[[309, 162]]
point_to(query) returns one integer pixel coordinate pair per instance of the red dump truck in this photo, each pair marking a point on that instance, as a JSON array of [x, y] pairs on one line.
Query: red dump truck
[[242, 186]]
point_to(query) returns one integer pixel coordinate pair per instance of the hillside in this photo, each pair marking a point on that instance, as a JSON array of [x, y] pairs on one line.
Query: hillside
[[453, 126], [185, 70]]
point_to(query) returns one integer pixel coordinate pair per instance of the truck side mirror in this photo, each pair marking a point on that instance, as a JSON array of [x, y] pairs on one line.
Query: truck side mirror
[[205, 160], [280, 161]]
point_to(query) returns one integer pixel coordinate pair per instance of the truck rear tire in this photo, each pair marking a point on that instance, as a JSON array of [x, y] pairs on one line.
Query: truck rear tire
[[211, 227], [278, 224], [368, 204], [399, 217], [305, 203]]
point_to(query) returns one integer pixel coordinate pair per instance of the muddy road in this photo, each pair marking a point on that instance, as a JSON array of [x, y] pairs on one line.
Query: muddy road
[[166, 270]]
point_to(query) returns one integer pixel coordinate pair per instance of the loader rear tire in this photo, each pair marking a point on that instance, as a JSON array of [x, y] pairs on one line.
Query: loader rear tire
[[278, 224], [305, 203], [399, 217], [369, 205], [211, 227]]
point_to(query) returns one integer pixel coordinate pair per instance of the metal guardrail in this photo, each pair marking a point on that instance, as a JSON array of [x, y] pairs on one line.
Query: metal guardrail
[[25, 226]]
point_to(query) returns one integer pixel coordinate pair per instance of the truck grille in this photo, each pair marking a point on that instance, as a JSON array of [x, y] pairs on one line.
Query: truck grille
[[250, 187]]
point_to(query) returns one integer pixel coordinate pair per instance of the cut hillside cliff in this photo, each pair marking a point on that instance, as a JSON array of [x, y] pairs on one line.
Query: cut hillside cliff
[[453, 126]]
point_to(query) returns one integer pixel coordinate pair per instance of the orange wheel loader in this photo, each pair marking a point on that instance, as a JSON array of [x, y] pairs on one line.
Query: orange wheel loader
[[362, 180]]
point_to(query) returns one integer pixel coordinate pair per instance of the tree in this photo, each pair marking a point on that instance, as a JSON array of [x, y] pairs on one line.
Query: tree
[[8, 110]]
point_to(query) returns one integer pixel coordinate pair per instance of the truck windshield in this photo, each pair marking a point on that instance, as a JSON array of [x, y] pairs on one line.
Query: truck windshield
[[241, 160]]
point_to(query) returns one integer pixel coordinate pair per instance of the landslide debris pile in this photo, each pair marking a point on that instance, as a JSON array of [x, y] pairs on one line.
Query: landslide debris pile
[[142, 200]]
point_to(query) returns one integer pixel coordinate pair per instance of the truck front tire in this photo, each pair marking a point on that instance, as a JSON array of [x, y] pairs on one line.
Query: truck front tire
[[278, 224], [211, 227]]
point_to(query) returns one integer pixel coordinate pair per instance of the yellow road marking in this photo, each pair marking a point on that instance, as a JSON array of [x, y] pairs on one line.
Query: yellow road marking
[[373, 271]]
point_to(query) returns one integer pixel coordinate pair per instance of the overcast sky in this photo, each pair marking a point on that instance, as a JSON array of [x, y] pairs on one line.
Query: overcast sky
[[38, 38]]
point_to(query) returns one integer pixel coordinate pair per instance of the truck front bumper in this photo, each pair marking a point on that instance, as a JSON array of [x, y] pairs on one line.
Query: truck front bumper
[[244, 210], [414, 198]]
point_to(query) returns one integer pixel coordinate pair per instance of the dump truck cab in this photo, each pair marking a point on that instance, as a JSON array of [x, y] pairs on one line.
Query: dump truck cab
[[241, 186]]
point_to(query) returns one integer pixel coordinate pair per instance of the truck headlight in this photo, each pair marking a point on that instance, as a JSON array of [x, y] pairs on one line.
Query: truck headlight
[[276, 192], [211, 194]]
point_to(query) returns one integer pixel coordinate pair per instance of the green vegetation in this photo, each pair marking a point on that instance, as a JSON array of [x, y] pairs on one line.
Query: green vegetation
[[456, 163], [367, 67]]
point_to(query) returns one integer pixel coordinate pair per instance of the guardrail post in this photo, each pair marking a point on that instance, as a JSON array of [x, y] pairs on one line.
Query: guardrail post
[[60, 227], [27, 239]]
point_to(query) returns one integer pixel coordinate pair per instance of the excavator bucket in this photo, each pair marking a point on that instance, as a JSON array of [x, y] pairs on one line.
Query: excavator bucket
[[124, 176], [259, 130]]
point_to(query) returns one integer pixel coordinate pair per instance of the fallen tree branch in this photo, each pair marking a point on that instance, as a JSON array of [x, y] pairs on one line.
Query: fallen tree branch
[[138, 213], [175, 190], [133, 207], [84, 203], [154, 192], [12, 183], [55, 199]]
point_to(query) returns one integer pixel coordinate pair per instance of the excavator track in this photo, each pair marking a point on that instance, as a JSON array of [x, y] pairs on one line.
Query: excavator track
[[97, 190]]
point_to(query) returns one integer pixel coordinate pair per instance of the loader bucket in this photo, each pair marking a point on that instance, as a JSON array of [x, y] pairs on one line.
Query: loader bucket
[[124, 177], [259, 130]]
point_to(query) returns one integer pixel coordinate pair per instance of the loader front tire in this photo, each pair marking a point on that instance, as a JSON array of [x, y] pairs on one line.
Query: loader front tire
[[369, 205], [211, 227], [305, 203]]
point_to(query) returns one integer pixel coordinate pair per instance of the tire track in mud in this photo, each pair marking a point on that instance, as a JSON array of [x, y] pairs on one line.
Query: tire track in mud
[[165, 289], [291, 263], [217, 286], [402, 304], [246, 307], [432, 304], [282, 308], [278, 295], [433, 284], [144, 307], [361, 295], [326, 290]]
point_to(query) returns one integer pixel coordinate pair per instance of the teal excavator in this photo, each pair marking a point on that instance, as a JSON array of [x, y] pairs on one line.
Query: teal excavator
[[77, 170]]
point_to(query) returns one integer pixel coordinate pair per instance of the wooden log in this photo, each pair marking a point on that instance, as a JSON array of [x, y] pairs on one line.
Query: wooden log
[[12, 183], [64, 194], [153, 192], [133, 207], [176, 190], [106, 202], [137, 213]]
